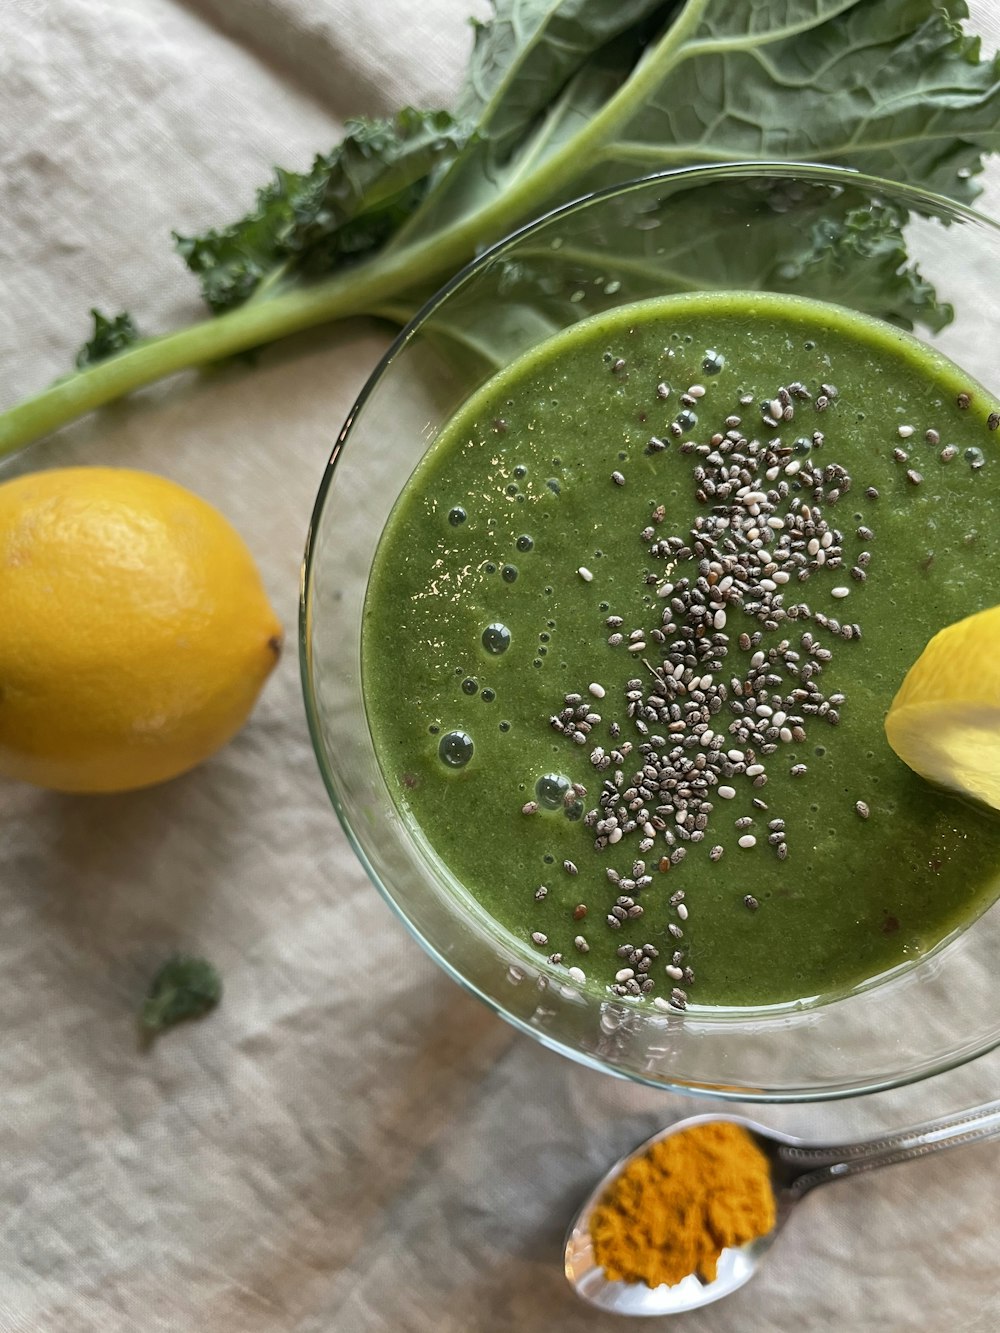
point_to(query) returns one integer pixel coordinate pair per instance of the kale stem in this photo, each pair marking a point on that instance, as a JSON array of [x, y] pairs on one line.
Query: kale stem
[[353, 292]]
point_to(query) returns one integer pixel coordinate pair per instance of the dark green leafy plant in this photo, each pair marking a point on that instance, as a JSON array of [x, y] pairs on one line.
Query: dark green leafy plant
[[565, 96], [110, 336], [184, 988]]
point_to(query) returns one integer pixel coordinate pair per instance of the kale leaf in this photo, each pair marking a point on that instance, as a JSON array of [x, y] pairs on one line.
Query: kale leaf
[[111, 336], [838, 245]]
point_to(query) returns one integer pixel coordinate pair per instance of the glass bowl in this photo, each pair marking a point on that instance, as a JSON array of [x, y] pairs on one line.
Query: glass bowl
[[641, 239]]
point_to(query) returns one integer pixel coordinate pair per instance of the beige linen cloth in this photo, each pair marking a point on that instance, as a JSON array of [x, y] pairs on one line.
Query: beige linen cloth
[[313, 1157]]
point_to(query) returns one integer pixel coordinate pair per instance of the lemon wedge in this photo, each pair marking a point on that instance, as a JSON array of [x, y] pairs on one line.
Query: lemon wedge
[[945, 720]]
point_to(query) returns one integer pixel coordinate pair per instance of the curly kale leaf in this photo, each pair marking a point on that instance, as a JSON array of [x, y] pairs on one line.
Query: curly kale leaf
[[346, 207], [860, 260], [110, 337]]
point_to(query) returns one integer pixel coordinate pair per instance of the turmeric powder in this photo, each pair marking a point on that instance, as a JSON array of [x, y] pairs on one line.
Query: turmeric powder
[[674, 1210]]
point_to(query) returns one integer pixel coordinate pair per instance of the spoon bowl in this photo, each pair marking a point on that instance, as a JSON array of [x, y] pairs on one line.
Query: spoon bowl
[[796, 1165]]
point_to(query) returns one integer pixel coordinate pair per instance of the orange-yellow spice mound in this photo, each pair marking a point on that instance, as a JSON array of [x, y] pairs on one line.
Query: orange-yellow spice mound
[[675, 1209]]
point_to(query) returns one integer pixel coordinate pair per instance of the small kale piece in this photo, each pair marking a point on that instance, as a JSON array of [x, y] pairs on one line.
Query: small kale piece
[[184, 988], [110, 336]]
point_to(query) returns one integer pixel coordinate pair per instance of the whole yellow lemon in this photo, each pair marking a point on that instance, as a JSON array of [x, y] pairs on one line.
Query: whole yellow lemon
[[135, 633]]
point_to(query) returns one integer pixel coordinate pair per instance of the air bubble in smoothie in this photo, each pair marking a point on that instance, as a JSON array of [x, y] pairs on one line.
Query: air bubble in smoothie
[[496, 638], [551, 789], [456, 748], [713, 362]]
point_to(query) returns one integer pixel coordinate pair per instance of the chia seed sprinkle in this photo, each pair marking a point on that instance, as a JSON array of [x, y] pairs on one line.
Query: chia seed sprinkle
[[538, 938], [862, 809], [585, 574], [964, 401], [751, 902], [576, 974], [702, 723]]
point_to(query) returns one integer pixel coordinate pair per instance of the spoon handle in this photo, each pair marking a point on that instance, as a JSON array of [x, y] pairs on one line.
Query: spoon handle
[[819, 1165]]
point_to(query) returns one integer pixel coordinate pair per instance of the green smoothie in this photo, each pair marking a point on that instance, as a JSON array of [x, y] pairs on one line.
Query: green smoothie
[[633, 628]]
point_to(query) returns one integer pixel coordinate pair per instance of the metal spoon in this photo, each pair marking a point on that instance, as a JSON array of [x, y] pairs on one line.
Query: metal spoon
[[796, 1167]]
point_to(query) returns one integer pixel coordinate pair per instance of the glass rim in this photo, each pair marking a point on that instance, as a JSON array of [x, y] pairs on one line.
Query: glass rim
[[921, 200]]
